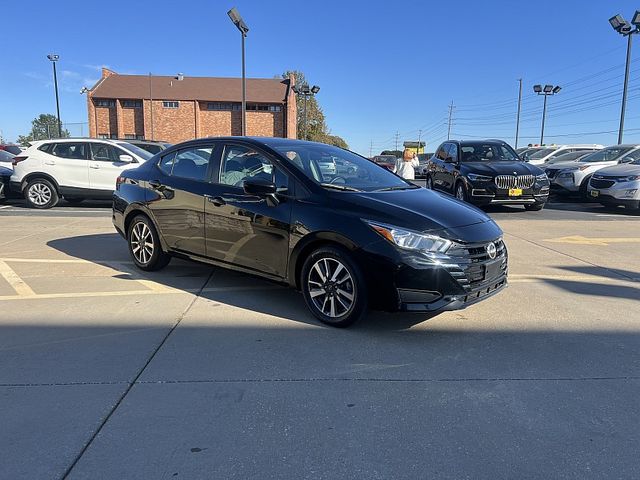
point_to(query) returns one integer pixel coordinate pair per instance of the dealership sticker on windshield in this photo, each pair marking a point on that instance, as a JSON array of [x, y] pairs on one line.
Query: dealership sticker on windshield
[[515, 192]]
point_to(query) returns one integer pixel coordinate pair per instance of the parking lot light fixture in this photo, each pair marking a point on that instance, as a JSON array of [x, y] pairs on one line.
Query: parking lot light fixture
[[54, 58], [621, 26], [315, 89], [545, 91], [237, 20]]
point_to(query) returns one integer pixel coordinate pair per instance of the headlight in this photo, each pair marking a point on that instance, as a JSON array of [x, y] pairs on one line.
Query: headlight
[[631, 178], [479, 178], [542, 177], [565, 175], [411, 240]]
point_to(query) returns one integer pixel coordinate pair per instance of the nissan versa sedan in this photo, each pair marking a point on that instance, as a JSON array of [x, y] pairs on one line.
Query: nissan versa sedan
[[486, 172], [359, 238]]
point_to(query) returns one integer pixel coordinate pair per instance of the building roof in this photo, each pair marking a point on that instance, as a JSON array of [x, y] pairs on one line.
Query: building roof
[[259, 90]]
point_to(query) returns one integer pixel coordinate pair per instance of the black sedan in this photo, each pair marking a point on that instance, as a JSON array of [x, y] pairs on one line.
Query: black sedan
[[354, 238], [486, 172]]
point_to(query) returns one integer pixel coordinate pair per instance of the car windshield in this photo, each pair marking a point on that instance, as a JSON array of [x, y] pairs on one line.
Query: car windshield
[[335, 168], [487, 152], [541, 153], [606, 154], [137, 150], [567, 157]]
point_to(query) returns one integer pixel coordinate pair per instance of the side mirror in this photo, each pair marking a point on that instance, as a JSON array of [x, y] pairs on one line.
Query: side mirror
[[259, 187], [626, 160], [126, 158]]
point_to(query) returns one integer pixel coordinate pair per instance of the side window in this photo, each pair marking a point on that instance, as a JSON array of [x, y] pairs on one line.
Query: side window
[[452, 151], [241, 163], [192, 163], [103, 152], [632, 156], [166, 163], [441, 154], [69, 150]]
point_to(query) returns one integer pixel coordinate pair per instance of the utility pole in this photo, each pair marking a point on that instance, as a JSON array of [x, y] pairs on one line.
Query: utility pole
[[419, 137], [371, 149], [626, 84], [450, 115], [519, 105], [54, 58], [397, 138]]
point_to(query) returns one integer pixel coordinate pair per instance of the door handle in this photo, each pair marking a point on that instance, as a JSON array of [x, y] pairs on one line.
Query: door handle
[[49, 162], [217, 201], [94, 166]]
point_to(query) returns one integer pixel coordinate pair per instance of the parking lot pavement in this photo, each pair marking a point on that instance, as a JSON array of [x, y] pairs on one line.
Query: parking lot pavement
[[195, 372]]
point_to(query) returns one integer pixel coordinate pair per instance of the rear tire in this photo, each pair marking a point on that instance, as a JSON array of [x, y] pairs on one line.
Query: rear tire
[[144, 245], [41, 193], [428, 184], [333, 287]]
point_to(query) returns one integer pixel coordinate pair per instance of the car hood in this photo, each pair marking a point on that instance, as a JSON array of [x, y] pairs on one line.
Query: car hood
[[501, 168], [416, 209], [565, 165], [620, 170]]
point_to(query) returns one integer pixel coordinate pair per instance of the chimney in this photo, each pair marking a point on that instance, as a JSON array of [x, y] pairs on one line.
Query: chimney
[[107, 73]]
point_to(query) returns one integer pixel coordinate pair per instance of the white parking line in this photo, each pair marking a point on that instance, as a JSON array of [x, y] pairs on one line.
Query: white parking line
[[12, 278]]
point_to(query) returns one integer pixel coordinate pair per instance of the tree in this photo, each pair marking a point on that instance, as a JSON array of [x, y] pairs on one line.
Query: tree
[[317, 129], [396, 153], [42, 127]]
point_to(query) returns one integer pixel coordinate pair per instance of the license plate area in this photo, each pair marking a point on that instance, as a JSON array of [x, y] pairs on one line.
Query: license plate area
[[595, 193], [493, 269], [515, 192]]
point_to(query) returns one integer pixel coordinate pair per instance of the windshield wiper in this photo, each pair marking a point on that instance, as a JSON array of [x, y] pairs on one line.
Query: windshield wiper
[[340, 187], [398, 187]]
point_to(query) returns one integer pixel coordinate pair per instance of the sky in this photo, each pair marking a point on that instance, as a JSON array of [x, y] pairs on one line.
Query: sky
[[386, 69]]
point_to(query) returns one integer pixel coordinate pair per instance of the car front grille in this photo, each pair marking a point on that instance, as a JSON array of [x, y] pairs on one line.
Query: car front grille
[[602, 183], [471, 264], [513, 181]]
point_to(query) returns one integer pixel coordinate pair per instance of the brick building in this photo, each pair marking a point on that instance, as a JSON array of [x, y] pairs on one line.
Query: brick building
[[175, 109]]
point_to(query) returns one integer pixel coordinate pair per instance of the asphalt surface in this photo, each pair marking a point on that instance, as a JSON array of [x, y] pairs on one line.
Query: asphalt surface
[[195, 372]]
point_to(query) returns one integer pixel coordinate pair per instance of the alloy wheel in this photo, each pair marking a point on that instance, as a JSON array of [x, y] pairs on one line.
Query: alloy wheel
[[40, 194], [142, 245], [460, 193], [331, 287]]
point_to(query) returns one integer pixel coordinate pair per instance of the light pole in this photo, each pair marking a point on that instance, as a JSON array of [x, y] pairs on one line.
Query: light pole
[[546, 91], [518, 116], [621, 26], [238, 22], [54, 58], [306, 92]]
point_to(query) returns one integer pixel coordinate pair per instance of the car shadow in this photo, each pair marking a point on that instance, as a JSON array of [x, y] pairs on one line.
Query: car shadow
[[613, 273], [594, 289], [217, 284]]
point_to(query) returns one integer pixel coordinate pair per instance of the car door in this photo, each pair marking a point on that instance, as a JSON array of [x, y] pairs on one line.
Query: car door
[[436, 168], [177, 192], [247, 230], [67, 163], [450, 167], [105, 166]]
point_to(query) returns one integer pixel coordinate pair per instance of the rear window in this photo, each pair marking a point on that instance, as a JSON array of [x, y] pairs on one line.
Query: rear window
[[46, 147]]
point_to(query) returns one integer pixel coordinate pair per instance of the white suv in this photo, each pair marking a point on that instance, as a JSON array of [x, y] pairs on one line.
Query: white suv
[[548, 154], [74, 168]]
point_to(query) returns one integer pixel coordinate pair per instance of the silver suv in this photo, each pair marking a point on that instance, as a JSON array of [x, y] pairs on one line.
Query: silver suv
[[617, 185], [573, 177]]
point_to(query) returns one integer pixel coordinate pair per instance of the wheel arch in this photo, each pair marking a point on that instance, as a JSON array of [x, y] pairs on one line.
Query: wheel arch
[[310, 243], [133, 211], [34, 175]]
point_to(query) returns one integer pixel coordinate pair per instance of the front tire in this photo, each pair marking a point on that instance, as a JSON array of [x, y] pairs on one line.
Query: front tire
[[144, 245], [333, 287], [461, 192], [41, 193]]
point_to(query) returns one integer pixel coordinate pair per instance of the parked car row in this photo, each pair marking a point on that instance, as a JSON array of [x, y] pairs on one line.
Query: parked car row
[[71, 168]]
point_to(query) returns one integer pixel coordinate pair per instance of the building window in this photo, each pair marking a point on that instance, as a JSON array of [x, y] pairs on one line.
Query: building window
[[224, 106], [139, 137], [132, 103], [105, 103], [103, 135], [114, 135], [129, 136], [265, 108], [170, 104]]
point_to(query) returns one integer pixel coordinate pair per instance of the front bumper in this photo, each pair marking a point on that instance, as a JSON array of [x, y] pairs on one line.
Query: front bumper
[[489, 194], [465, 276], [567, 184], [618, 192]]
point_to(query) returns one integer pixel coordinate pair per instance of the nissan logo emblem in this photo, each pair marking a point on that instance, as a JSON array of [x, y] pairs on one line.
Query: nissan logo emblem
[[491, 250]]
